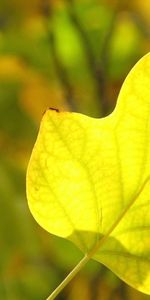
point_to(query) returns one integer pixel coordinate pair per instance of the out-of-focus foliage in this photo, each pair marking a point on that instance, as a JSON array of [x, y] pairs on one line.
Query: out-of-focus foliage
[[72, 55]]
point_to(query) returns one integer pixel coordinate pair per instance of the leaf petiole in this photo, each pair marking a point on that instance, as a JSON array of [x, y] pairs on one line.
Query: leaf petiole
[[70, 276], [89, 255]]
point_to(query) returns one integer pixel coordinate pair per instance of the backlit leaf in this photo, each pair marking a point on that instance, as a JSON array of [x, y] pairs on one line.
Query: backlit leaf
[[88, 180]]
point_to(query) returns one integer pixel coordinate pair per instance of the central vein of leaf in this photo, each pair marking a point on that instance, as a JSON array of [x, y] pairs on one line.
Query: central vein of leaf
[[118, 220]]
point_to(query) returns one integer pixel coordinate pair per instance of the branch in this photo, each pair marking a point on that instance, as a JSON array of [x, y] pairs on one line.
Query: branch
[[97, 70], [60, 69]]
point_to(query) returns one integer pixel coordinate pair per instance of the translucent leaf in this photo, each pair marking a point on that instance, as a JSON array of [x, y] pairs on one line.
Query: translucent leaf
[[88, 180]]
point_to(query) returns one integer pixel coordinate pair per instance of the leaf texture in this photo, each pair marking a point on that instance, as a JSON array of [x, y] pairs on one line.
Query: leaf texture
[[88, 180]]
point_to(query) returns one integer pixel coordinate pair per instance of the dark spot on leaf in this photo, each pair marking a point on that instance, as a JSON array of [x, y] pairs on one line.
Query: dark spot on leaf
[[56, 109], [51, 108]]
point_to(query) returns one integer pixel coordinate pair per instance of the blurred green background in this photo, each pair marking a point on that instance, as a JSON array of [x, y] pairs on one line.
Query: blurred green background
[[73, 55]]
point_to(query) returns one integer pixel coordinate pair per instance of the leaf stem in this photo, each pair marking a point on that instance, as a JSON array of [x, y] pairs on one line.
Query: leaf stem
[[70, 276], [98, 245]]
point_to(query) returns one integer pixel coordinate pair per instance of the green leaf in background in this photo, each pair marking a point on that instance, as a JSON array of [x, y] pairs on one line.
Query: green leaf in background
[[88, 180]]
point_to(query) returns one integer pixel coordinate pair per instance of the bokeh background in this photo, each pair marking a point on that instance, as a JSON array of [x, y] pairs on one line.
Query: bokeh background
[[73, 55]]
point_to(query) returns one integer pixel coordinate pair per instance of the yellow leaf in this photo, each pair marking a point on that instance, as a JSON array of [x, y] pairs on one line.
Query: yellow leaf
[[88, 180]]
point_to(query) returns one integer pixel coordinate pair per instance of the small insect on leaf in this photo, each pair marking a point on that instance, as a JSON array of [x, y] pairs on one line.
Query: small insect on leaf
[[93, 180]]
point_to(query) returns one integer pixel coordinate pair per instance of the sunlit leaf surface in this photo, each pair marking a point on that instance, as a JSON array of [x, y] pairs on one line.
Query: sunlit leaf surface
[[89, 178]]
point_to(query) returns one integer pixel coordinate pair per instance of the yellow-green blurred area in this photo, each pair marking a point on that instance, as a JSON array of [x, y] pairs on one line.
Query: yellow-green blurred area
[[72, 55]]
